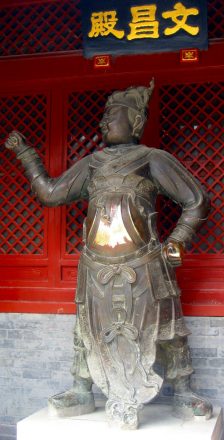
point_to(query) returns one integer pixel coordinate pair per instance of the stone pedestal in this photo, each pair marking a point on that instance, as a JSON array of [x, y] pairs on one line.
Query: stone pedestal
[[156, 422]]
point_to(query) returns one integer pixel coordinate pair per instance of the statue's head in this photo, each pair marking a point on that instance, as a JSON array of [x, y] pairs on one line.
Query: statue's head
[[126, 114]]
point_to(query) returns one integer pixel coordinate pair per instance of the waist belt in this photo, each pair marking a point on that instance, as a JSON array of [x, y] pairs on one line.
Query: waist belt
[[134, 260]]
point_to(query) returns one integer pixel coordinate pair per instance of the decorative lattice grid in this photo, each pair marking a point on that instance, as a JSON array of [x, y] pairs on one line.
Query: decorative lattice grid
[[44, 27], [55, 26], [192, 123], [215, 19], [84, 137], [191, 129], [21, 216]]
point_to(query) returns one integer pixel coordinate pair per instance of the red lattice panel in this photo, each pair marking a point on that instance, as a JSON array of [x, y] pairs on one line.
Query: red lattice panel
[[192, 122], [42, 27], [21, 216], [84, 137], [215, 19]]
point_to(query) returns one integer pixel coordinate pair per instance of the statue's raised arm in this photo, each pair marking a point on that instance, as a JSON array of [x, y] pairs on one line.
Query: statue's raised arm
[[70, 186]]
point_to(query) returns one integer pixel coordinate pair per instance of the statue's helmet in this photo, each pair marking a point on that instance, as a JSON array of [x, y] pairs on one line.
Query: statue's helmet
[[135, 98]]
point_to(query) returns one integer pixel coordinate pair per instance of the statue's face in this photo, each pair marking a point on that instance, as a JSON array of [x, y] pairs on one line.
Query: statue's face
[[115, 126]]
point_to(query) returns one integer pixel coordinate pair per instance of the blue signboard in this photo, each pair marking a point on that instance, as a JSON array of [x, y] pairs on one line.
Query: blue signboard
[[139, 26]]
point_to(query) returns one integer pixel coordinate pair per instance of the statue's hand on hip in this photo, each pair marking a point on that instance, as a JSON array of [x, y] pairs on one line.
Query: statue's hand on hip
[[173, 252], [16, 142]]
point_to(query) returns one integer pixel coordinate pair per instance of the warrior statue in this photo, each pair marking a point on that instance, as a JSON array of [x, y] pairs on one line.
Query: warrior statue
[[130, 333]]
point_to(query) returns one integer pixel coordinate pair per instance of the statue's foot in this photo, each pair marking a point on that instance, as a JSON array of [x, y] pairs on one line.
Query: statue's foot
[[71, 403], [122, 414], [187, 405]]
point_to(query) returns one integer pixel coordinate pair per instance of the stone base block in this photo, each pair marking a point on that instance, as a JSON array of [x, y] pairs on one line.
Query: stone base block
[[156, 422]]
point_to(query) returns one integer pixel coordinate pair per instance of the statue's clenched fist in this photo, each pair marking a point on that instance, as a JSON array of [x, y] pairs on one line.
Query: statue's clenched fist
[[16, 142]]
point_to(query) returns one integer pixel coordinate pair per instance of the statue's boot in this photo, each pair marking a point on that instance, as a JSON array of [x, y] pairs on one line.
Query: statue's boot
[[187, 404], [74, 402]]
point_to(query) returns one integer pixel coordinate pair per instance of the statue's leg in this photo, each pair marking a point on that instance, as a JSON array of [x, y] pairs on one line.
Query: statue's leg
[[79, 399], [186, 403]]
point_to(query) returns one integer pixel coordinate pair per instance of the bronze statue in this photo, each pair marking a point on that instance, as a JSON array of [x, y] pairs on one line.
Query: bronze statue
[[129, 312]]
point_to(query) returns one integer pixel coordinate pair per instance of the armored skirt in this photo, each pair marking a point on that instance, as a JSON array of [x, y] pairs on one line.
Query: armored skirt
[[124, 311]]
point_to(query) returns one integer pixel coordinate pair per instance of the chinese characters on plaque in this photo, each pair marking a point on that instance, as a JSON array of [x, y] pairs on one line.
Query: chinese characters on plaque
[[116, 27]]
